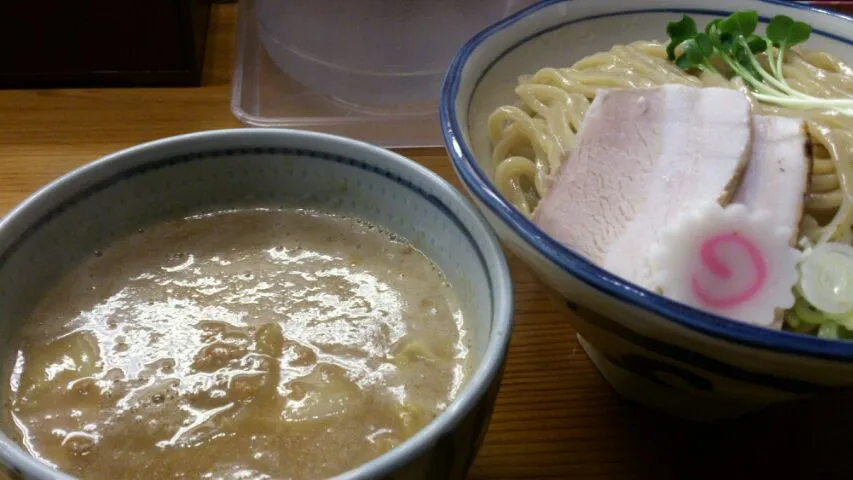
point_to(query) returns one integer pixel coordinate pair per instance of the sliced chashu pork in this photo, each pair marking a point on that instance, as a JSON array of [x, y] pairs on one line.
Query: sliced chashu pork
[[640, 157], [777, 175]]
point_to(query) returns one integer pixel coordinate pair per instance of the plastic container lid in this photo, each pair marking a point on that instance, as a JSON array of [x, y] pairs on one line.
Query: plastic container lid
[[369, 70]]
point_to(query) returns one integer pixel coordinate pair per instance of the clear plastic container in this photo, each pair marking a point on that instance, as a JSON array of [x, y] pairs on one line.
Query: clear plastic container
[[368, 69]]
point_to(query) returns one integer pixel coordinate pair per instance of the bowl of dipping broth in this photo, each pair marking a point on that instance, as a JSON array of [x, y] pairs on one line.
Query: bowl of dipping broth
[[249, 303], [689, 209]]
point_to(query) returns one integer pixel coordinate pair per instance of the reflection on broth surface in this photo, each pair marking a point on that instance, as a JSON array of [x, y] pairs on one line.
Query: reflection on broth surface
[[241, 344]]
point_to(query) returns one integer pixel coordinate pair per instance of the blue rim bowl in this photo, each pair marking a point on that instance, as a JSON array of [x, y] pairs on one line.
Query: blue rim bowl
[[451, 440], [571, 263]]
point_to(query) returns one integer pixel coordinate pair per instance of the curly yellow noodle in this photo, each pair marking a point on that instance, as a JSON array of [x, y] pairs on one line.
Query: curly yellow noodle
[[530, 140], [507, 175], [827, 182], [823, 165]]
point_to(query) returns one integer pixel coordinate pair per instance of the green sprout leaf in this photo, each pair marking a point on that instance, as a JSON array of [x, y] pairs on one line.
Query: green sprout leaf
[[778, 28], [743, 56], [741, 23], [713, 31], [799, 33], [678, 32], [784, 32], [756, 44], [703, 41], [733, 41], [713, 25], [722, 40], [691, 56]]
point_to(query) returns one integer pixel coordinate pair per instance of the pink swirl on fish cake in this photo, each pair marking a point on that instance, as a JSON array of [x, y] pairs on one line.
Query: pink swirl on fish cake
[[711, 260]]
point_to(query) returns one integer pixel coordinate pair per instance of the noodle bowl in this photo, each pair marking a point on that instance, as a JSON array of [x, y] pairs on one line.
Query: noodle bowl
[[651, 349]]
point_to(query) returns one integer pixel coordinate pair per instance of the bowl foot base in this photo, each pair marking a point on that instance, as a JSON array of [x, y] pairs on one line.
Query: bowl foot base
[[664, 399]]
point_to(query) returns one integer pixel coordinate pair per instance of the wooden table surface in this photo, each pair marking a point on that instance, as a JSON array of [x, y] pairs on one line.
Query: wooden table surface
[[555, 416]]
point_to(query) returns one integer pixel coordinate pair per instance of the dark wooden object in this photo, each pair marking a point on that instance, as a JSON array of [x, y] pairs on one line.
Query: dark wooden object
[[841, 6], [100, 43]]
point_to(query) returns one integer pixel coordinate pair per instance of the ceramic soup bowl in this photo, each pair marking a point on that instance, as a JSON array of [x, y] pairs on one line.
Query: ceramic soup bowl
[[208, 171]]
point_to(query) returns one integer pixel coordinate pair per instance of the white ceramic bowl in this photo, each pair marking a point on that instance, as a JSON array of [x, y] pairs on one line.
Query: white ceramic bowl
[[82, 211], [650, 349]]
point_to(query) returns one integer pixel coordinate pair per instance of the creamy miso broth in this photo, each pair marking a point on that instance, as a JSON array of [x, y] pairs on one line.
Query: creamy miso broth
[[240, 344]]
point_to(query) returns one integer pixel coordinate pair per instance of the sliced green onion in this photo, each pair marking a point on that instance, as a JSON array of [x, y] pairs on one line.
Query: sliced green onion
[[828, 330], [826, 278], [808, 314]]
